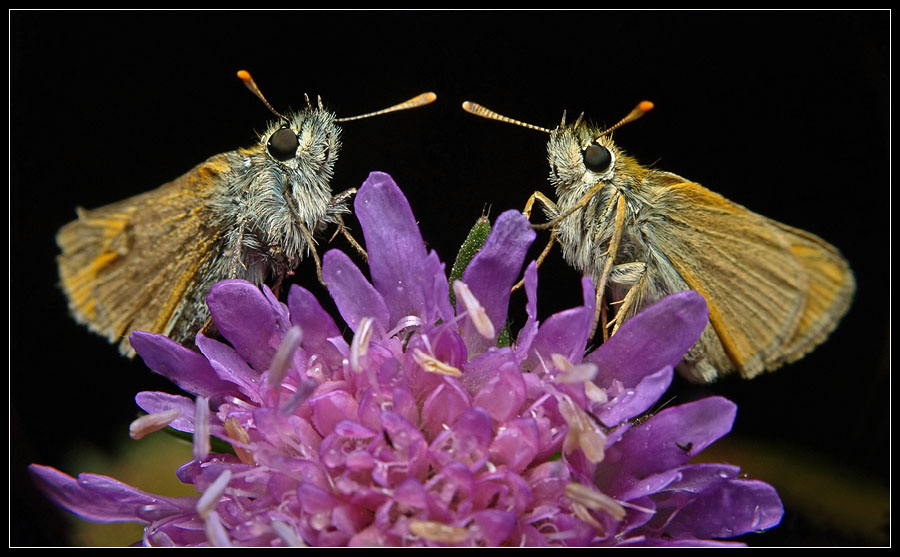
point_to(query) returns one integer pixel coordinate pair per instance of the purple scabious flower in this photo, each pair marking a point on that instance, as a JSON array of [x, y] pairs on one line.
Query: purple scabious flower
[[421, 430]]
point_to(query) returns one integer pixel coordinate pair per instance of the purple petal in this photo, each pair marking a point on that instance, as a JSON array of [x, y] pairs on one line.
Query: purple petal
[[503, 395], [494, 525], [354, 296], [696, 478], [253, 322], [435, 290], [474, 425], [650, 485], [516, 445], [154, 402], [656, 337], [316, 324], [493, 271], [665, 441], [230, 366], [443, 406], [565, 332], [332, 407], [186, 368], [407, 440], [725, 508], [400, 267], [503, 489], [548, 482], [483, 368], [636, 400], [104, 499], [411, 493], [528, 331]]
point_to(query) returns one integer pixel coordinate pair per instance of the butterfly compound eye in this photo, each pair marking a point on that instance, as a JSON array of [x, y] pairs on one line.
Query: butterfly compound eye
[[283, 144], [597, 158]]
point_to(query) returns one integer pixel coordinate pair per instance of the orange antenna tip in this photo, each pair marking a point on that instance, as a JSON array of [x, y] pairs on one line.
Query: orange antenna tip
[[415, 102], [642, 108], [248, 81]]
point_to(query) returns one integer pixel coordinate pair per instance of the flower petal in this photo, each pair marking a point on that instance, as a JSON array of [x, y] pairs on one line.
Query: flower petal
[[182, 366], [516, 444], [230, 366], [154, 402], [252, 321], [656, 337], [104, 499], [332, 407], [665, 441], [494, 525], [354, 296], [316, 324], [443, 406], [402, 270], [723, 505], [528, 331], [503, 395], [636, 400], [493, 271], [564, 333]]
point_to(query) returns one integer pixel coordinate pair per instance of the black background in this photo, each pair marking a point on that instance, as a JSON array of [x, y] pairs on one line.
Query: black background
[[784, 112]]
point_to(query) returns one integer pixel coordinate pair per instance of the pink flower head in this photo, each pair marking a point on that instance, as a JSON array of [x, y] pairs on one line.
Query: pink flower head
[[420, 430]]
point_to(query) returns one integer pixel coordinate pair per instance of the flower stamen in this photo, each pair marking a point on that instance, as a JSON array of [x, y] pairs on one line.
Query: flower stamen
[[213, 493], [432, 365], [438, 531], [476, 311], [145, 425], [215, 531], [201, 428], [237, 432], [572, 373], [287, 534], [282, 360], [360, 344], [582, 432], [595, 393], [582, 513], [592, 499]]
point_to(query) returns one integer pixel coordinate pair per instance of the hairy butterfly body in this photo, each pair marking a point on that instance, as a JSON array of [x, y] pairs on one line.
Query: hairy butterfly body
[[147, 262], [774, 292]]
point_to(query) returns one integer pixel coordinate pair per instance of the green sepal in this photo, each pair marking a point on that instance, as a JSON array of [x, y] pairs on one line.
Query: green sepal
[[471, 245]]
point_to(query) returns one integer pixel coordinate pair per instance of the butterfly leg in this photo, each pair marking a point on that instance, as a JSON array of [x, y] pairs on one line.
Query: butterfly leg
[[350, 239], [338, 199], [335, 207], [599, 307], [548, 203], [635, 275], [236, 252], [311, 244]]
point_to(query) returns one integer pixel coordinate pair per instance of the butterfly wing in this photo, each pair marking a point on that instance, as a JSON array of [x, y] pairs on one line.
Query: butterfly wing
[[141, 262], [744, 266], [830, 289]]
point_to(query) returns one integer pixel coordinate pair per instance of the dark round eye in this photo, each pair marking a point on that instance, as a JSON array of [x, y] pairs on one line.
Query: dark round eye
[[597, 158], [283, 144]]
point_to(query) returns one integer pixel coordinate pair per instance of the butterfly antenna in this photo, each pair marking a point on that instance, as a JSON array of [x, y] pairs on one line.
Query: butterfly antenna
[[642, 108], [415, 102], [248, 81], [478, 110]]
